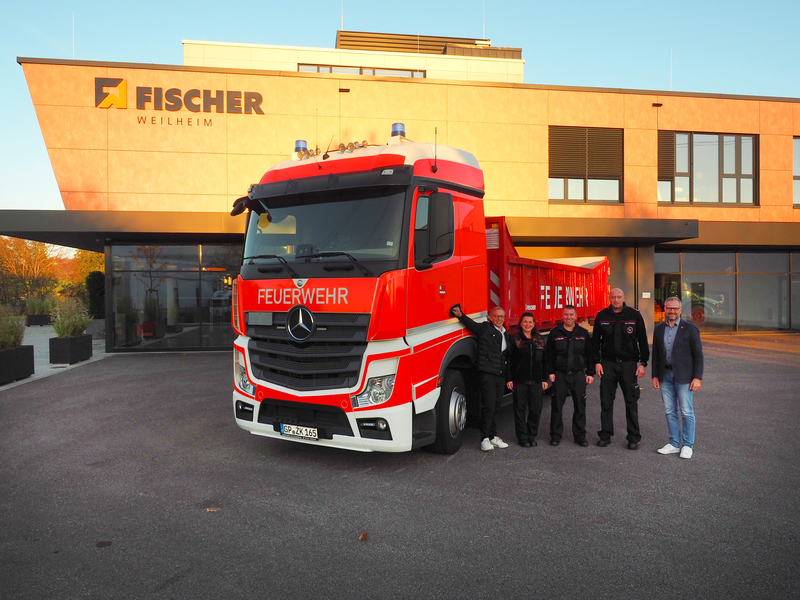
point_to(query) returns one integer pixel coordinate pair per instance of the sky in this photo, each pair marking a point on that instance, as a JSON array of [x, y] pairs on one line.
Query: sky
[[731, 47]]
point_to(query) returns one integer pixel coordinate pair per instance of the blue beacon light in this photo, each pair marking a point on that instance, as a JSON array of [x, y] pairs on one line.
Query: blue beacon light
[[300, 146], [398, 129]]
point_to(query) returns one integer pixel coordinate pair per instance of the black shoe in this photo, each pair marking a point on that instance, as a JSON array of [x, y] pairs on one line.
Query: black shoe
[[533, 444], [603, 443], [582, 442], [633, 446], [555, 442]]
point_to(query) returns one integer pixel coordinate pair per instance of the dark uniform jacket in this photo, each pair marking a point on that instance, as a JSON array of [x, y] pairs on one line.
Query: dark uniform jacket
[[491, 359], [526, 359], [569, 350], [620, 336], [687, 353]]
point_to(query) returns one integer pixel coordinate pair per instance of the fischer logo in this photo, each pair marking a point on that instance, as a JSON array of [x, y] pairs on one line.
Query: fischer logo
[[303, 295], [559, 295], [110, 92], [107, 99]]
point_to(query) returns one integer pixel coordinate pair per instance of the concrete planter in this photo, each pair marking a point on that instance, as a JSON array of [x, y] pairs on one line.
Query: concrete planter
[[70, 350], [15, 364]]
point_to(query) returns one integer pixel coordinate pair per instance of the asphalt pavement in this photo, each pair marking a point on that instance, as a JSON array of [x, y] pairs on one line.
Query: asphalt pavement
[[128, 478]]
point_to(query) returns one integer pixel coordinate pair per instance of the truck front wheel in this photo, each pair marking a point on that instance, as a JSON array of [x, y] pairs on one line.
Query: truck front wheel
[[451, 414]]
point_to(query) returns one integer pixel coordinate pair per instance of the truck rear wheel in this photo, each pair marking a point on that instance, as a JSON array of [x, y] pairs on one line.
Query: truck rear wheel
[[451, 414]]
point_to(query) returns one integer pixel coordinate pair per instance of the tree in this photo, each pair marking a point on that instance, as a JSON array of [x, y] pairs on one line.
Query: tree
[[27, 269]]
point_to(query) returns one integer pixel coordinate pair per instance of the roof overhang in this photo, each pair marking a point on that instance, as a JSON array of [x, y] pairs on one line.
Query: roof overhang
[[92, 229], [567, 231]]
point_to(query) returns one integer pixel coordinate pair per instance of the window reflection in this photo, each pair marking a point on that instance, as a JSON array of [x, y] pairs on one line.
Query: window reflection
[[163, 297], [706, 168]]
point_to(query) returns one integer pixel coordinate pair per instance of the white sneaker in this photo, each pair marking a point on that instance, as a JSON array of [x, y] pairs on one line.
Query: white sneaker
[[668, 449], [686, 452], [498, 443], [486, 445]]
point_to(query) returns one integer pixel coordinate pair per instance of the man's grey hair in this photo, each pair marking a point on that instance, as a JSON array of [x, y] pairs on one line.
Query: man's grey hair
[[675, 298]]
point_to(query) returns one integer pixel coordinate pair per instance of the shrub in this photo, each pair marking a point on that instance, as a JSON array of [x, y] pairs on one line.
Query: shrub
[[70, 318], [12, 328], [96, 288], [39, 305]]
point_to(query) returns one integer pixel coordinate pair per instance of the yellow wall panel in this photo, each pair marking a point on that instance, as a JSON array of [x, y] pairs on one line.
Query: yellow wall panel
[[73, 126], [641, 185], [515, 181], [515, 208], [776, 152], [499, 142], [777, 214], [591, 211], [79, 170], [776, 188], [641, 211], [713, 115], [85, 200], [640, 112], [710, 213], [399, 101], [167, 202], [641, 147], [483, 105], [776, 117], [586, 109], [60, 86], [796, 119], [167, 173]]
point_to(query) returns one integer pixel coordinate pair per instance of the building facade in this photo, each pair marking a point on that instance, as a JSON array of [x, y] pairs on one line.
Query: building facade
[[692, 195]]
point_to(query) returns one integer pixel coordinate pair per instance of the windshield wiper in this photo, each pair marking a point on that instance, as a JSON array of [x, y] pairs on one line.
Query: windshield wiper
[[364, 269], [280, 258]]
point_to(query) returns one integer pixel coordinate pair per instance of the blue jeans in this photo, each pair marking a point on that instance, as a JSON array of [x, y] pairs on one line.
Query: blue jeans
[[677, 395]]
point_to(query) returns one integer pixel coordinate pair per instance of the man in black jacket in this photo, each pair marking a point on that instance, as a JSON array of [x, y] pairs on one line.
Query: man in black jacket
[[571, 367], [677, 371], [492, 346], [621, 353]]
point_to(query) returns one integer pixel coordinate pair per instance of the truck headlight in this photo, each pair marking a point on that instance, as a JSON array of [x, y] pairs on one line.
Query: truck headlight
[[240, 375], [377, 391]]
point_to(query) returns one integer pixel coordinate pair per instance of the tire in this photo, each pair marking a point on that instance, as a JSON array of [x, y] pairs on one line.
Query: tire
[[698, 314], [451, 414]]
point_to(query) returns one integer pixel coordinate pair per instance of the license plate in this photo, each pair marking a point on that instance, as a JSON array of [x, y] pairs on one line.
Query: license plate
[[306, 433]]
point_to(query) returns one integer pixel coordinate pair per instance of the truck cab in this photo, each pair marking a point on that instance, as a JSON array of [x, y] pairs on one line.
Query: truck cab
[[352, 261]]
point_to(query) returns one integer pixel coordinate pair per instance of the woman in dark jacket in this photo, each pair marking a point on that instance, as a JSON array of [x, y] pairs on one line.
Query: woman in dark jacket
[[528, 379]]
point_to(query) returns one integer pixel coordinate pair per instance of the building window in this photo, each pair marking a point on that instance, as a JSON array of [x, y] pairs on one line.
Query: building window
[[172, 297], [585, 164], [796, 171], [415, 74], [731, 291], [707, 168]]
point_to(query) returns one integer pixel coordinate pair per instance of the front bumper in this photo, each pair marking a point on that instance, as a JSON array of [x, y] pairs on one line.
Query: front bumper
[[340, 429]]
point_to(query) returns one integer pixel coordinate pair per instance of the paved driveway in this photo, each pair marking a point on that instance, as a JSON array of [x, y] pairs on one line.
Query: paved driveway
[[127, 478]]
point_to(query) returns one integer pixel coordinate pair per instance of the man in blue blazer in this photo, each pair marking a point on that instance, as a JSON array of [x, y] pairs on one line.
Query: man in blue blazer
[[677, 370]]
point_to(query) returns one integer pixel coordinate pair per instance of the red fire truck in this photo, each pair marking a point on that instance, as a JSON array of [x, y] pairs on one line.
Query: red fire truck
[[352, 262]]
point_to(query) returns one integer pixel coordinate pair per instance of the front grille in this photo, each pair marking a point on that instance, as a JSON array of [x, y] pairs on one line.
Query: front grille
[[330, 358], [328, 420]]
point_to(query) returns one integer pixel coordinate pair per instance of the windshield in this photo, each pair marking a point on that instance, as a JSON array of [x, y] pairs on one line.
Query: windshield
[[364, 224]]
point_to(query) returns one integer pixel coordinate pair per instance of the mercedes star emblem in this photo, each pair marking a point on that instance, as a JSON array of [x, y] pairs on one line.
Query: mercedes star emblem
[[300, 323]]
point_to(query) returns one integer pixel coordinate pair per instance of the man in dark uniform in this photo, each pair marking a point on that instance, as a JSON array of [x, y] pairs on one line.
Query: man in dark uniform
[[621, 353], [571, 367], [492, 346]]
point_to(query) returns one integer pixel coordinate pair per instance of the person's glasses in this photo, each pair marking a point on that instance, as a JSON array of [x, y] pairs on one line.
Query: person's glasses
[[672, 309]]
